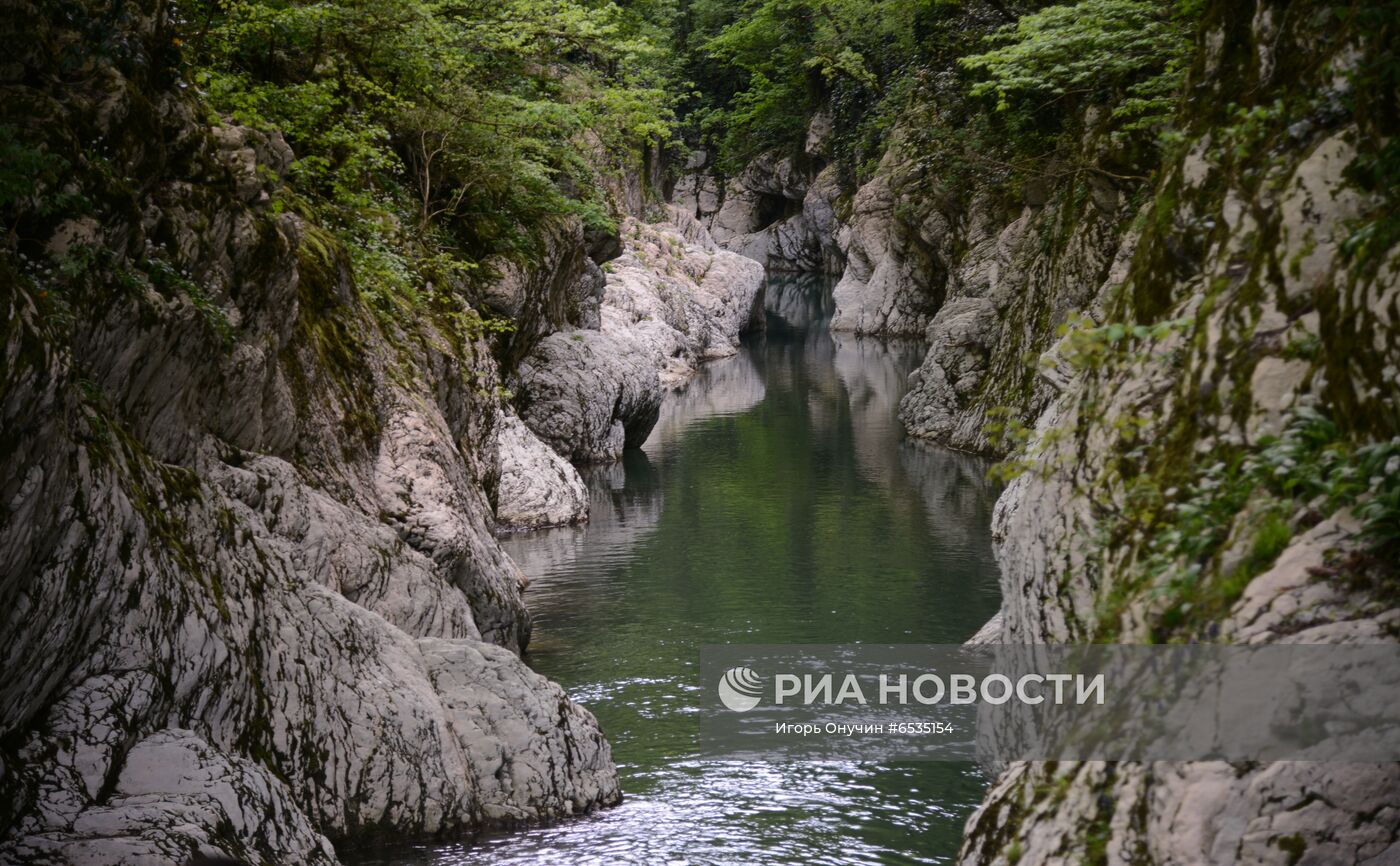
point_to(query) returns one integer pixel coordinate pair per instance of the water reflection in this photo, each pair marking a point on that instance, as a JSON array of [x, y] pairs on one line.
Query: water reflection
[[724, 387], [775, 502]]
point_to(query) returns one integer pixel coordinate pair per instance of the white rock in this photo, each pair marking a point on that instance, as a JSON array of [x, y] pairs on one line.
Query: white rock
[[537, 487]]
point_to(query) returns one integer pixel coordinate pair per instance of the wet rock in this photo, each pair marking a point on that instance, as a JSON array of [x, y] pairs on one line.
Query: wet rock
[[985, 287], [177, 801], [533, 754], [989, 634], [424, 493], [940, 404]]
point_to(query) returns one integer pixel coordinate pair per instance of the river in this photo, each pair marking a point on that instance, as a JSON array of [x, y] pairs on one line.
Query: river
[[777, 501]]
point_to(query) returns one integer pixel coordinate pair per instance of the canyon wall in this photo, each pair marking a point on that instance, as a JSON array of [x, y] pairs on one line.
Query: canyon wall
[[254, 602], [783, 210], [1191, 368], [1194, 380], [1188, 479]]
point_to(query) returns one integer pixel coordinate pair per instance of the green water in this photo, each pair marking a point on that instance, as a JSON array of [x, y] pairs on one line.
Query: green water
[[776, 502]]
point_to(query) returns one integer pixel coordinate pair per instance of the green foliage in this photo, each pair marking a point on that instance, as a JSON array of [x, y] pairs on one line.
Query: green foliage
[[1008, 435], [1311, 467], [1131, 54], [25, 170], [769, 47], [1271, 538], [1089, 347], [1251, 129], [171, 282], [766, 66], [1085, 347], [483, 120], [763, 68], [1371, 238], [1375, 97]]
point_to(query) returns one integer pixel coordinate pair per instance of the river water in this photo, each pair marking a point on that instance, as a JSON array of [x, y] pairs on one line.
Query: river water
[[777, 501]]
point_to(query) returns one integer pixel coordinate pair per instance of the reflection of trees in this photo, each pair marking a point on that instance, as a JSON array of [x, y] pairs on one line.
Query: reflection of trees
[[775, 500]]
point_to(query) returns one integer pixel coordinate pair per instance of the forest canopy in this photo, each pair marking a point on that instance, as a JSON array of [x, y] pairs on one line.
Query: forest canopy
[[481, 120], [769, 64], [432, 137], [477, 118]]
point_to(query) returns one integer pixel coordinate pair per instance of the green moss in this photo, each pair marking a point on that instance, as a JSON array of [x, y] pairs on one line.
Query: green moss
[[1185, 513], [1163, 539], [1271, 539], [1294, 846], [1099, 831], [326, 330]]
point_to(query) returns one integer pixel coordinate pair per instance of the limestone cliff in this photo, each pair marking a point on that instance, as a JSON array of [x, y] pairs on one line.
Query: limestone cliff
[[782, 210], [1192, 365], [253, 604], [1217, 458], [672, 300], [983, 274]]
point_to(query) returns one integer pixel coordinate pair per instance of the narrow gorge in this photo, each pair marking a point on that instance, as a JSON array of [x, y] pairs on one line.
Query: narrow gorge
[[396, 396]]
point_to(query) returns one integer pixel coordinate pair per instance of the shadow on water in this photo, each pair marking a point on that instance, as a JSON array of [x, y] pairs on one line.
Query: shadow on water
[[777, 501]]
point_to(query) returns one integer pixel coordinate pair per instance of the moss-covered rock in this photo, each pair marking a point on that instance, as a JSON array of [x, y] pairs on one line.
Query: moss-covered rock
[[1218, 462]]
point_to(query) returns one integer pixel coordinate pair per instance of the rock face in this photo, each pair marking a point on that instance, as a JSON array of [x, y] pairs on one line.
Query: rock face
[[589, 394], [1241, 360], [253, 603], [537, 487], [886, 287], [983, 281], [672, 300], [562, 288], [1003, 300], [780, 210]]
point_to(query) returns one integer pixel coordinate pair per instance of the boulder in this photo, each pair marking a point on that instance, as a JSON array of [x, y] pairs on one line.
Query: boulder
[[672, 300], [537, 487]]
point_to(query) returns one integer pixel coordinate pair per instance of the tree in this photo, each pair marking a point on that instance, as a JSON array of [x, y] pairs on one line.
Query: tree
[[1128, 53], [472, 120]]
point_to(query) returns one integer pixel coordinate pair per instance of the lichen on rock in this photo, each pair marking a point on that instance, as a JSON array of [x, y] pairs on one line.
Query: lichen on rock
[[1166, 489]]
